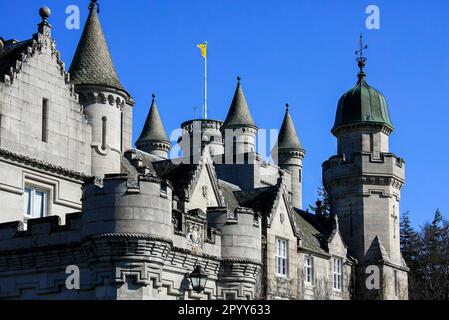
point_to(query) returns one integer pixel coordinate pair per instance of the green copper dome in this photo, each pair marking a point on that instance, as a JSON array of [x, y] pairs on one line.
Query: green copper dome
[[362, 105]]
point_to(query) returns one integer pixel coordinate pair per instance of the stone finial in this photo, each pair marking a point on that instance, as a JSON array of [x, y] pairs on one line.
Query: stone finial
[[44, 27], [45, 13]]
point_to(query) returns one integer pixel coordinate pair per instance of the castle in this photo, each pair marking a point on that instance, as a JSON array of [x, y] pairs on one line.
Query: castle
[[136, 224]]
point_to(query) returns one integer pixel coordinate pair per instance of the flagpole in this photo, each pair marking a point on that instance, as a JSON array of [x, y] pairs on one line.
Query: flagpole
[[205, 85]]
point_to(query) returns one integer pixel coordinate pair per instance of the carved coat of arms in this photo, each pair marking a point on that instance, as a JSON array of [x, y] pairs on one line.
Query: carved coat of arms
[[194, 237]]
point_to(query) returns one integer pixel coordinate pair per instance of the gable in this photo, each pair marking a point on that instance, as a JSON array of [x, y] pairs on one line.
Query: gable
[[205, 192], [33, 80], [336, 245], [281, 225]]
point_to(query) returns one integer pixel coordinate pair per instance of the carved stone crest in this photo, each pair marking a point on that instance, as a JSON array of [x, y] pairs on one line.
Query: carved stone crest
[[205, 190], [194, 237]]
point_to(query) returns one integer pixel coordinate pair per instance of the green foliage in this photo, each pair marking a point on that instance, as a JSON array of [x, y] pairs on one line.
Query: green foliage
[[323, 204], [426, 253]]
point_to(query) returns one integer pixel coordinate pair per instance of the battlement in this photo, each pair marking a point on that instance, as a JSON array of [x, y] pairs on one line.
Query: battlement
[[240, 232], [387, 165], [118, 203], [385, 158], [204, 124], [42, 232]]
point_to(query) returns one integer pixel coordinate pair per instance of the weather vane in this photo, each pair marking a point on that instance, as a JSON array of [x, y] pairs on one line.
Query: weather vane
[[93, 4], [194, 111], [361, 59]]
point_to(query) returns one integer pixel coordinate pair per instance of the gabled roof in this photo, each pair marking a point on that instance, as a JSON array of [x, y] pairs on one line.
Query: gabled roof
[[153, 129], [261, 199], [92, 63], [376, 252], [312, 234], [229, 190], [239, 115]]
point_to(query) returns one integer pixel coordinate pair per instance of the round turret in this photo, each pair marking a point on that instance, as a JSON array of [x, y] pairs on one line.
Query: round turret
[[199, 134], [116, 206]]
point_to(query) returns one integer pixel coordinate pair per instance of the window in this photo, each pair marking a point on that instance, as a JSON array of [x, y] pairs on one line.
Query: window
[[103, 133], [396, 286], [308, 269], [281, 257], [337, 274], [45, 120], [35, 203], [121, 131]]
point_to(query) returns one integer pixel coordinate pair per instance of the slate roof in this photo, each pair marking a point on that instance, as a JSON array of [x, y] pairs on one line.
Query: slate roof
[[288, 137], [238, 115], [92, 63], [153, 129], [228, 190], [261, 199], [11, 53], [179, 175], [376, 252], [312, 233]]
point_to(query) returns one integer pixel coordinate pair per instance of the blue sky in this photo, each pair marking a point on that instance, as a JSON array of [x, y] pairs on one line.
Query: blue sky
[[301, 52]]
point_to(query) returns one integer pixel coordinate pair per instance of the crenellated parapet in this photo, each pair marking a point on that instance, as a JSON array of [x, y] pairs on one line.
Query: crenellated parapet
[[118, 205], [364, 169], [201, 133]]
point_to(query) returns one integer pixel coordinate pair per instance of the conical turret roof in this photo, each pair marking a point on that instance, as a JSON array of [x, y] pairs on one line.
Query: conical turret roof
[[153, 130], [288, 138], [92, 63], [239, 115]]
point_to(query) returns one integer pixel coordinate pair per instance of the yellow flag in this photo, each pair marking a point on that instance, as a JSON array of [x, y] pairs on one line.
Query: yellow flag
[[203, 48]]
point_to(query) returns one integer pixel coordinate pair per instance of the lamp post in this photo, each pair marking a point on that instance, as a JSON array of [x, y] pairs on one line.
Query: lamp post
[[198, 279]]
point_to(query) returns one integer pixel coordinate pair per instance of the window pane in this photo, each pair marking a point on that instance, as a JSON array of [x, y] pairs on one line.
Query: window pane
[[38, 204], [27, 202]]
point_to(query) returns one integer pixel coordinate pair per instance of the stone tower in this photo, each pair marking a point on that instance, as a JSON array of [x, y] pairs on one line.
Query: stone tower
[[288, 154], [239, 130], [106, 103], [153, 138], [364, 182]]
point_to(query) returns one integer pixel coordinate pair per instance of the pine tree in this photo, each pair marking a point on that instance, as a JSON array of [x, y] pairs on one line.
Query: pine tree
[[409, 240], [410, 243]]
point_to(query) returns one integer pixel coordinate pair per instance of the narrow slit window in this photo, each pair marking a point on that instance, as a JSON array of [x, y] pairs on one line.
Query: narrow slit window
[[121, 132], [103, 132], [45, 120]]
